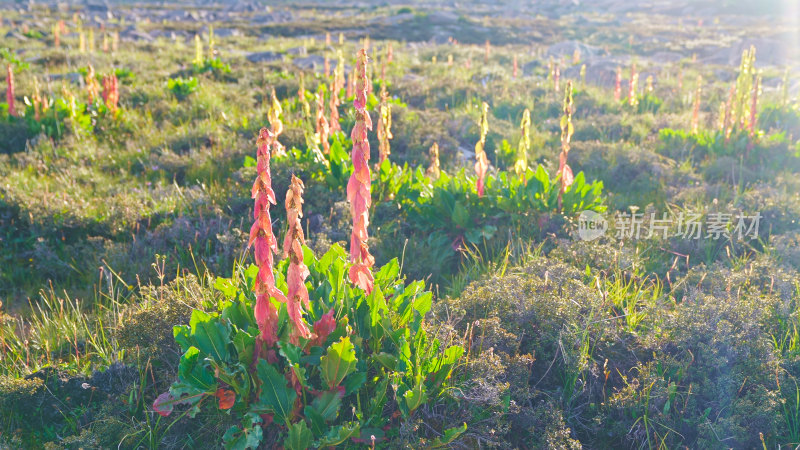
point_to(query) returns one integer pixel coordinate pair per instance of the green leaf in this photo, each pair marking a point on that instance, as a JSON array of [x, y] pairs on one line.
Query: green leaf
[[423, 303], [388, 273], [461, 215], [276, 397], [387, 360], [338, 435], [210, 334], [243, 438], [443, 366], [192, 371], [416, 397], [377, 402], [327, 404], [226, 286], [354, 382], [240, 314], [245, 346], [318, 425], [338, 362], [181, 335], [450, 435], [291, 352], [299, 437]]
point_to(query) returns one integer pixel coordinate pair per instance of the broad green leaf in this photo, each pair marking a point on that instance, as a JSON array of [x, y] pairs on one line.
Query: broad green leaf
[[338, 362], [338, 435], [299, 437], [377, 402], [443, 365], [415, 397], [450, 435], [210, 334], [241, 439], [377, 306], [461, 215], [226, 286], [245, 346], [181, 335], [388, 273], [327, 404], [318, 424], [276, 396], [387, 360], [240, 314], [192, 371], [291, 352], [354, 382]]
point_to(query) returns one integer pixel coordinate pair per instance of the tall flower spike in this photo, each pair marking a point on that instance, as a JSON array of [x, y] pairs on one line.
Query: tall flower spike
[[556, 76], [728, 127], [12, 110], [358, 188], [265, 244], [297, 272], [754, 107], [275, 124], [514, 70], [434, 171], [323, 129], [632, 83], [696, 110], [521, 165], [384, 125], [334, 103], [753, 116], [350, 83], [583, 75], [564, 171], [618, 85], [92, 87], [481, 161], [36, 99], [111, 92]]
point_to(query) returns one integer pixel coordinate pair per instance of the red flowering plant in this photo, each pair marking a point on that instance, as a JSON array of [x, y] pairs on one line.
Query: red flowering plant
[[298, 356], [276, 125], [111, 92], [481, 161], [12, 110], [323, 128], [358, 193], [564, 171]]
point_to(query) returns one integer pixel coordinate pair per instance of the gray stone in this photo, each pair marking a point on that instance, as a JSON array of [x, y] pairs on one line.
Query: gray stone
[[15, 35], [135, 35], [72, 77], [311, 62], [297, 51], [567, 48], [260, 57]]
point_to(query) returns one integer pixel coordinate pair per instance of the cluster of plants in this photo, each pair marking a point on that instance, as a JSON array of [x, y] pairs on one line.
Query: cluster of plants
[[373, 356], [55, 115]]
